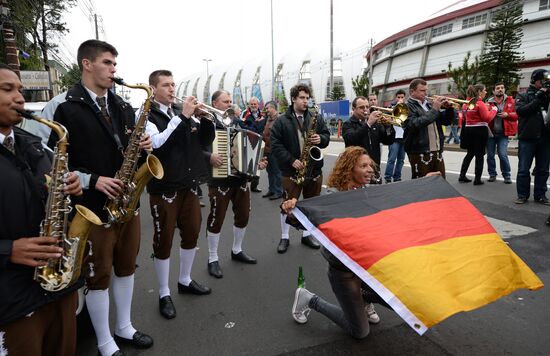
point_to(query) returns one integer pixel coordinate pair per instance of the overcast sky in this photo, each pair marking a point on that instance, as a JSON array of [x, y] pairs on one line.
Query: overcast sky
[[178, 34]]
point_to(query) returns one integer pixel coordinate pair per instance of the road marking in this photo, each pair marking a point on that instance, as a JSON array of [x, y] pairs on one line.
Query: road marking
[[508, 230]]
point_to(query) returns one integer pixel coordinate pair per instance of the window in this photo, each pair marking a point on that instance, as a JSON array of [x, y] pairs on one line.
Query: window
[[440, 31], [544, 5], [401, 44], [419, 37], [474, 21]]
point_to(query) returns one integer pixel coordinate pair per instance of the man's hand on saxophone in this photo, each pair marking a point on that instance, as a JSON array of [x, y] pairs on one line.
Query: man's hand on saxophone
[[111, 187], [315, 139], [34, 251], [72, 184], [297, 164], [146, 143]]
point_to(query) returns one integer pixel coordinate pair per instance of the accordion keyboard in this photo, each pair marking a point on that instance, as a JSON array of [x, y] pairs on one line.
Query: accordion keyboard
[[221, 147]]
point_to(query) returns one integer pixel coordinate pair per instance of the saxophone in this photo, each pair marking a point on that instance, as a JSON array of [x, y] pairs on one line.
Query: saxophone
[[59, 273], [123, 207], [309, 152]]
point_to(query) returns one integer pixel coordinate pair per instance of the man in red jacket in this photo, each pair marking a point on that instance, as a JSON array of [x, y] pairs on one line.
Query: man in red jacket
[[504, 125]]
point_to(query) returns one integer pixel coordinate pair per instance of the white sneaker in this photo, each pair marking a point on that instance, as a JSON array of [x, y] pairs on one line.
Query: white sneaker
[[300, 308], [371, 314]]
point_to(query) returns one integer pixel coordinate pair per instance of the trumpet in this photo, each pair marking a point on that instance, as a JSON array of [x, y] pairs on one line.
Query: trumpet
[[393, 116], [471, 104], [211, 112]]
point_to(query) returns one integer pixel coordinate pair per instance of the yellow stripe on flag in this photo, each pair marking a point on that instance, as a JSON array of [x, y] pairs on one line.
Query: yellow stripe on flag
[[459, 274]]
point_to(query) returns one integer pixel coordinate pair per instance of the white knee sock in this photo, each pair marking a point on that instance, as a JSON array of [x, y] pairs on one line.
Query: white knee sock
[[162, 267], [284, 227], [213, 242], [186, 263], [97, 302], [238, 236], [123, 290], [306, 233]]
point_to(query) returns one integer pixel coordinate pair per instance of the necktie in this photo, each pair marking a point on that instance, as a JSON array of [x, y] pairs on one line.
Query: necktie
[[103, 107], [301, 120], [170, 113], [9, 144]]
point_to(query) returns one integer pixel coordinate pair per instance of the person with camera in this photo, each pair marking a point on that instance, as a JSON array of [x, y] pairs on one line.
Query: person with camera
[[533, 138]]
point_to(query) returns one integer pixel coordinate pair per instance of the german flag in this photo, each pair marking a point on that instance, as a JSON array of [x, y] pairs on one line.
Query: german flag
[[424, 248]]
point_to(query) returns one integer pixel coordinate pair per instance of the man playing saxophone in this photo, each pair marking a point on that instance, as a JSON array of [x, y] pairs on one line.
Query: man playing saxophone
[[100, 124], [24, 305], [291, 135]]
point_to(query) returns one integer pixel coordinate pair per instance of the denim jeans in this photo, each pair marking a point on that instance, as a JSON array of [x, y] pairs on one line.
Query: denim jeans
[[350, 315], [274, 175], [499, 142], [453, 134], [396, 158], [538, 149]]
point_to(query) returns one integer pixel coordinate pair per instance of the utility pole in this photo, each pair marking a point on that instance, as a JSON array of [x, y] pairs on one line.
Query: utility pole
[[370, 65], [331, 85], [96, 31], [10, 45], [272, 57]]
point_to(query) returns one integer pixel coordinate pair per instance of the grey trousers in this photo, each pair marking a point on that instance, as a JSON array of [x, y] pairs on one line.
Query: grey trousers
[[350, 315]]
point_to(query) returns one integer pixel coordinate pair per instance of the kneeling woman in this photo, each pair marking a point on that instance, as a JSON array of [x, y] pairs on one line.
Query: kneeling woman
[[353, 170]]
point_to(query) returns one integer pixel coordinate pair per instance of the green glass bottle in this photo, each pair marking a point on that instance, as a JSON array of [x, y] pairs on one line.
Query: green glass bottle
[[301, 279]]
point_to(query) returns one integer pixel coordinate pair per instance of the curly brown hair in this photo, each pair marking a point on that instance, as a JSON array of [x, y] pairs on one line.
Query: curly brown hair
[[341, 176]]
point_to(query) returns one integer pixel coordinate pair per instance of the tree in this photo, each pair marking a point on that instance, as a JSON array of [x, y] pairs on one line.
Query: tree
[[337, 93], [500, 58], [361, 85], [42, 21], [464, 75], [70, 78]]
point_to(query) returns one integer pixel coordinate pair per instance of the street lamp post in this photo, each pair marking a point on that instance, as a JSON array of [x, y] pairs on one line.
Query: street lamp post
[[207, 73]]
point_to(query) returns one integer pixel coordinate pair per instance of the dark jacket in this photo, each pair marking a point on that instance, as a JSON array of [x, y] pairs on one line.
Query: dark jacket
[[529, 106], [93, 146], [416, 126], [357, 133], [22, 198], [256, 125], [285, 144], [181, 154]]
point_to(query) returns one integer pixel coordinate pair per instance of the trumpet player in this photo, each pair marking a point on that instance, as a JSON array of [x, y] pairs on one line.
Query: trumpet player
[[174, 201], [366, 130], [289, 135], [24, 306], [99, 124], [423, 130]]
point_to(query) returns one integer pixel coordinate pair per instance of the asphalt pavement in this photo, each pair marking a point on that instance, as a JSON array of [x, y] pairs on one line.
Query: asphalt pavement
[[248, 312]]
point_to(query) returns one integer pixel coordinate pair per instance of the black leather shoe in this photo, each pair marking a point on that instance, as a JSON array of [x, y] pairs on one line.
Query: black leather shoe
[[256, 190], [276, 197], [243, 257], [283, 246], [166, 307], [193, 288], [544, 200], [478, 182], [268, 194], [464, 179], [139, 340], [214, 269], [309, 242]]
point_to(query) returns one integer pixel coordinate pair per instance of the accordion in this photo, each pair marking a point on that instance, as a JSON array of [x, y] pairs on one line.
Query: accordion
[[241, 151]]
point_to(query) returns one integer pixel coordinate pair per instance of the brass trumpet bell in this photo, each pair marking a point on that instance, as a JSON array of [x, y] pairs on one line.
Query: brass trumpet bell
[[471, 104], [393, 116]]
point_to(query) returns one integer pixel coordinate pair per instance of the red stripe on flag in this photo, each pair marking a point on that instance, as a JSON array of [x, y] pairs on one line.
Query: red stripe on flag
[[369, 239]]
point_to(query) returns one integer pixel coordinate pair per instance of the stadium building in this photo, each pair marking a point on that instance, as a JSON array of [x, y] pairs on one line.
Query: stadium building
[[424, 50]]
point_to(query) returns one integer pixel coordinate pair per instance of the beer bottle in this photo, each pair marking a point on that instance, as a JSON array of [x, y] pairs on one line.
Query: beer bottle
[[301, 279]]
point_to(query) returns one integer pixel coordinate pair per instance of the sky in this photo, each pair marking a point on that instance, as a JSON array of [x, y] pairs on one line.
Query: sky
[[178, 34]]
